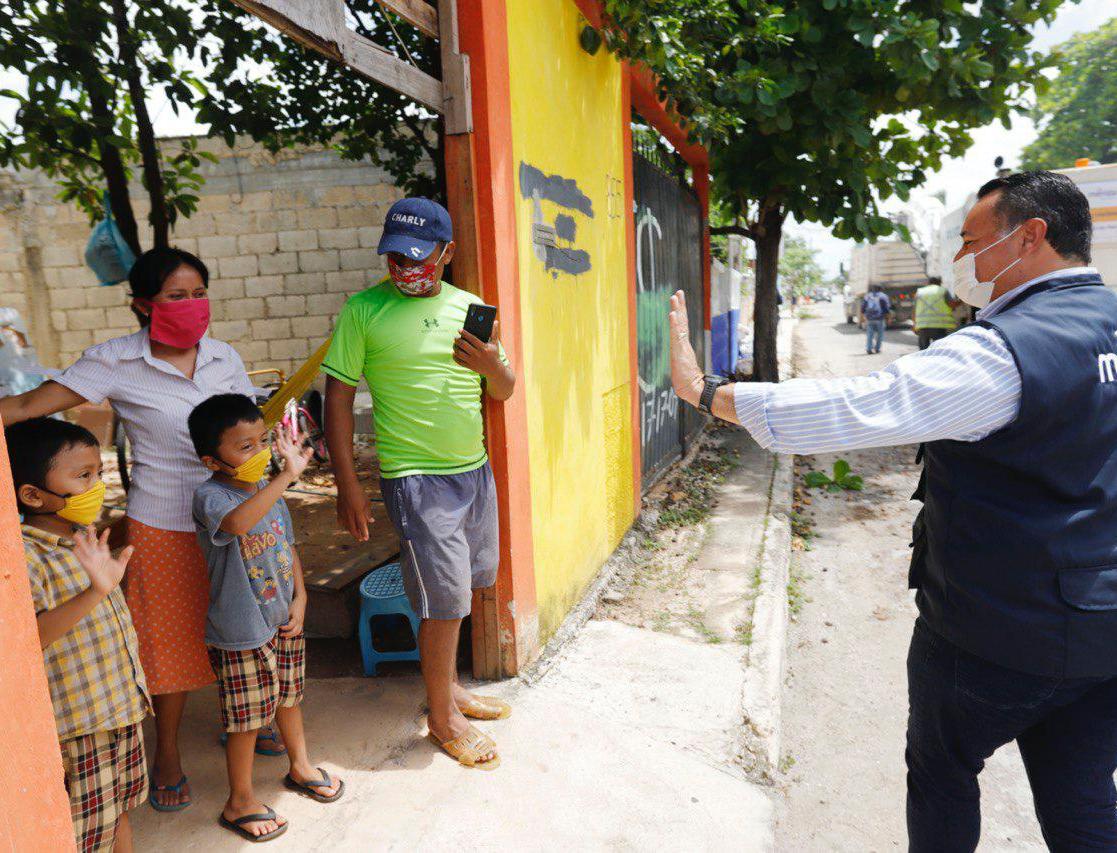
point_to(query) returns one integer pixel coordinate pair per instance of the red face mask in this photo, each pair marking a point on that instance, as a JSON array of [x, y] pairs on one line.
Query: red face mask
[[414, 281], [179, 324]]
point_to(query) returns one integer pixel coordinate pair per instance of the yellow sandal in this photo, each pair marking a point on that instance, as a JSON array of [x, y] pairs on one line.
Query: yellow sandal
[[486, 708], [469, 749]]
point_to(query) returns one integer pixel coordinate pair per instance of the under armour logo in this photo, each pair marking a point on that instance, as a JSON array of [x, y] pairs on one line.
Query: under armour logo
[[433, 324], [1107, 367], [416, 252]]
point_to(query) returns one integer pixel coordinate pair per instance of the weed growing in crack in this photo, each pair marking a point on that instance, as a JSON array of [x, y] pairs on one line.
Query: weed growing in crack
[[796, 596], [690, 493]]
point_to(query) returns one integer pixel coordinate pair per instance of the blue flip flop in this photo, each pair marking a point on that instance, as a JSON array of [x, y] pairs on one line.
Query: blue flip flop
[[310, 787], [270, 735], [273, 736], [176, 789]]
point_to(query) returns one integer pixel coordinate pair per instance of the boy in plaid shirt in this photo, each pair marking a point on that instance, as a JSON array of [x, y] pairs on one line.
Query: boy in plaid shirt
[[254, 629], [90, 649]]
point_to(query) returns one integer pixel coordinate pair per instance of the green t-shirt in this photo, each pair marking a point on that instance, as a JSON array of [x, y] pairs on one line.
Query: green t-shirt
[[426, 407]]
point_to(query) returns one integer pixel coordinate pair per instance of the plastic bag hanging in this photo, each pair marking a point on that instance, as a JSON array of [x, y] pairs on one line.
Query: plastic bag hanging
[[107, 253]]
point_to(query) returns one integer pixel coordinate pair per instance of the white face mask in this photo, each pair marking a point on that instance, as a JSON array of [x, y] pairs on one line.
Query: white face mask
[[967, 287]]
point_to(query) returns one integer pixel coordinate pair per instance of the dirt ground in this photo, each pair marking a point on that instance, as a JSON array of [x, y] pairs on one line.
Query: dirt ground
[[661, 586], [845, 703]]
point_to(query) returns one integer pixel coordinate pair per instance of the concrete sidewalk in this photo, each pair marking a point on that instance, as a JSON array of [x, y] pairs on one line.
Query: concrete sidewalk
[[625, 743], [626, 737]]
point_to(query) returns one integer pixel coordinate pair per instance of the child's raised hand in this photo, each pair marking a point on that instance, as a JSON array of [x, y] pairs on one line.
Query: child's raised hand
[[295, 458], [92, 552]]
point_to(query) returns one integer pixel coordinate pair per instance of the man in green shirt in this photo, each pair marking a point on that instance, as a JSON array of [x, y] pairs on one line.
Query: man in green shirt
[[405, 336]]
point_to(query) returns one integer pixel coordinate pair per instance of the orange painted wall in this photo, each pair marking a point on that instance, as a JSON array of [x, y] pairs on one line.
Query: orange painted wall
[[34, 808], [482, 28]]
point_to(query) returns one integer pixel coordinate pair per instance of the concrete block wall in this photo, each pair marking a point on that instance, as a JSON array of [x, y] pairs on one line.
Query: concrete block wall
[[287, 239]]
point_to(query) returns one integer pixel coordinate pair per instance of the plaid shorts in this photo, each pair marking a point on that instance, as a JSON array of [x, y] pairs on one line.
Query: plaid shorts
[[252, 683], [106, 775]]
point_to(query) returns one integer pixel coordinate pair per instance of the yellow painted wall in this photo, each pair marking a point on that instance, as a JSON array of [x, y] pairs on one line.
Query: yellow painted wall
[[567, 123]]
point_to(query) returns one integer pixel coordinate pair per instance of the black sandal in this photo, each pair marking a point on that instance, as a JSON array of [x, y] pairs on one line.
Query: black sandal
[[307, 789], [237, 826]]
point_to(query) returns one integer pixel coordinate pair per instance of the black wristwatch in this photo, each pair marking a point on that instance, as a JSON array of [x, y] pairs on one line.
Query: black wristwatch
[[709, 388]]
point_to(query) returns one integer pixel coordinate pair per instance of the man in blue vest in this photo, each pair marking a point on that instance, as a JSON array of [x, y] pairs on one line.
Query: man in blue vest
[[1015, 549]]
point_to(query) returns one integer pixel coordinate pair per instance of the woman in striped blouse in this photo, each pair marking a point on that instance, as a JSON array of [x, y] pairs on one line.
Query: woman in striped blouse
[[153, 378]]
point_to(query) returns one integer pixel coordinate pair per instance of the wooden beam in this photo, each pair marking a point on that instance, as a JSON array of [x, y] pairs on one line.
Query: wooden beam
[[377, 64], [418, 13], [319, 26]]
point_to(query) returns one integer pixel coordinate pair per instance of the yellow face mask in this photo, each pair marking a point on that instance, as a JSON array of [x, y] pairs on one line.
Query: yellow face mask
[[83, 508], [252, 469]]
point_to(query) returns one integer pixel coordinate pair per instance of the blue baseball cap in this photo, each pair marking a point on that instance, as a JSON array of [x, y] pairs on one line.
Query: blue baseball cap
[[413, 227]]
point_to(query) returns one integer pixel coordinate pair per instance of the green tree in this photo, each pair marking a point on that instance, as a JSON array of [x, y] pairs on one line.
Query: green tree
[[91, 66], [799, 272], [1077, 113], [819, 109]]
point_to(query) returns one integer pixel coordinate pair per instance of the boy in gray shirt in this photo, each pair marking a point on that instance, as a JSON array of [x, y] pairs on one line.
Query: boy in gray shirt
[[257, 604]]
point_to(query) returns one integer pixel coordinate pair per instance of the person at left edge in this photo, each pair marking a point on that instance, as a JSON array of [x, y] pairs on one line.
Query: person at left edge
[[90, 651], [153, 378]]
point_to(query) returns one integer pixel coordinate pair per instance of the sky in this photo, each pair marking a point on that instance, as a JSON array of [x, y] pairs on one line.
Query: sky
[[960, 176]]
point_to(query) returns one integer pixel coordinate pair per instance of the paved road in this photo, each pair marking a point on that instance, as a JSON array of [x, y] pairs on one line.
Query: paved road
[[845, 705]]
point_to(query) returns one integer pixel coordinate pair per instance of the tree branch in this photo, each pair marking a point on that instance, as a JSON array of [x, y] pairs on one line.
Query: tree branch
[[101, 114], [149, 152], [734, 229]]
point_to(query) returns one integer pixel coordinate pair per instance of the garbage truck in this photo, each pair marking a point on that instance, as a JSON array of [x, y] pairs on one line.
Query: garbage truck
[[1099, 184], [897, 266]]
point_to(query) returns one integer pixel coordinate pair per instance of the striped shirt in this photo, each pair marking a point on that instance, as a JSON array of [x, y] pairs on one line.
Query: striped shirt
[[153, 400], [93, 670], [964, 387]]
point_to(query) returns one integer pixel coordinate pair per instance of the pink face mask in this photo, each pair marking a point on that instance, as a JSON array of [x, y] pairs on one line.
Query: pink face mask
[[179, 324]]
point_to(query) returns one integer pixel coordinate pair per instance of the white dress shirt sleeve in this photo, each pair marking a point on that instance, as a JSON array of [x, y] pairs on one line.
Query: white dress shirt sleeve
[[94, 375], [964, 387]]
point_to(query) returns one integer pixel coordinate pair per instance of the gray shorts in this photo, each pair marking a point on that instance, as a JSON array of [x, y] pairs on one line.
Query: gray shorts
[[449, 538]]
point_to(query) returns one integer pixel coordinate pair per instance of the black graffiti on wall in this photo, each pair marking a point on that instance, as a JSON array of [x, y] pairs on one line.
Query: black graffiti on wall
[[552, 243]]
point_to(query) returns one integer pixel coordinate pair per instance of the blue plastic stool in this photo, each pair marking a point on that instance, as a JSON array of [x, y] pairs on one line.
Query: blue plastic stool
[[382, 595]]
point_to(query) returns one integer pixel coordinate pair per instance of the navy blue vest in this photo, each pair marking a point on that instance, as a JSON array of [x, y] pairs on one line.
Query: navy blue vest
[[1015, 552]]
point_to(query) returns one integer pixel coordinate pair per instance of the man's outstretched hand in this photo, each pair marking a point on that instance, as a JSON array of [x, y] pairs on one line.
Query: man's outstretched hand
[[686, 375]]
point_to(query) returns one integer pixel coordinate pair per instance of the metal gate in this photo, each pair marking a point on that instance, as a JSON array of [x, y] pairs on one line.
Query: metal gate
[[668, 258]]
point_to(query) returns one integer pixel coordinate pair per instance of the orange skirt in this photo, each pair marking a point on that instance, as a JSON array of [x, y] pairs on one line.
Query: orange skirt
[[167, 589]]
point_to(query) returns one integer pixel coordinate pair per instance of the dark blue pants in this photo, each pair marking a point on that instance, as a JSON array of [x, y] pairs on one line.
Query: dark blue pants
[[874, 335], [963, 708]]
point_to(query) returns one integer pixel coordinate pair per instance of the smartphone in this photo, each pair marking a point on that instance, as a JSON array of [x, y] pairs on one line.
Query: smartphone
[[479, 321]]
